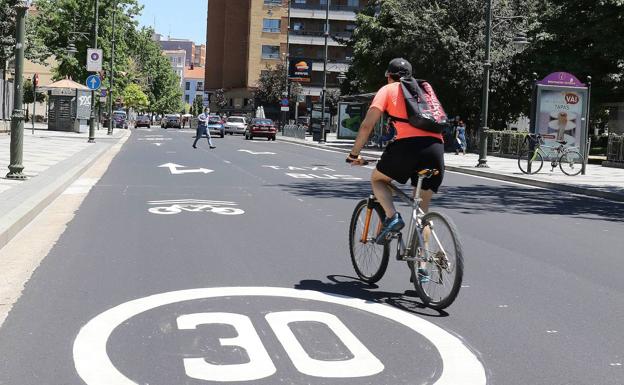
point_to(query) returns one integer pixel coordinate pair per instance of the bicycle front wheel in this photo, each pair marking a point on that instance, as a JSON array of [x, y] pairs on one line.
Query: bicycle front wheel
[[369, 259], [438, 276], [571, 163], [530, 158]]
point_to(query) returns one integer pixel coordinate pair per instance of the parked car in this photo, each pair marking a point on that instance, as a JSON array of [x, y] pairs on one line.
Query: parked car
[[235, 125], [120, 119], [170, 120], [143, 121], [260, 127], [215, 125]]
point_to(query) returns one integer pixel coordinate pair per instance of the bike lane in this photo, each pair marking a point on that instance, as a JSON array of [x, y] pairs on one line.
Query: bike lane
[[156, 294]]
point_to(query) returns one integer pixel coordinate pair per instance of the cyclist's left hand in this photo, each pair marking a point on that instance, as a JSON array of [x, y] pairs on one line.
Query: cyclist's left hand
[[356, 161]]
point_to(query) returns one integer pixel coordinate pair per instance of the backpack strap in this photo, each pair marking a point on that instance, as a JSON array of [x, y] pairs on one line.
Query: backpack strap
[[397, 119]]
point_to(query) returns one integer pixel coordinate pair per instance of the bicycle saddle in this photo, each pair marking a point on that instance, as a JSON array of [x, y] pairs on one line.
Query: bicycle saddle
[[562, 142], [428, 173]]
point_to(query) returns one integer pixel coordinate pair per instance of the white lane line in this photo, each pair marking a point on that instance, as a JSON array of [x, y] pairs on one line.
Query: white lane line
[[81, 186], [227, 161], [257, 153]]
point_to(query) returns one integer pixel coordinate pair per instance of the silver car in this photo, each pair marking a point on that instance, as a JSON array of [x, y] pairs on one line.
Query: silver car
[[235, 125]]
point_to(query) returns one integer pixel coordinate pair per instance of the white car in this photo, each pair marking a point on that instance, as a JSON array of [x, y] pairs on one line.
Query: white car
[[235, 125]]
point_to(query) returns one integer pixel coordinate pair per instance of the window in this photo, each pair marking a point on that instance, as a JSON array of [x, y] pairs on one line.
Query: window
[[298, 26], [323, 2], [300, 1], [188, 86], [187, 98], [272, 2], [270, 52], [350, 27], [271, 25], [353, 3], [200, 86]]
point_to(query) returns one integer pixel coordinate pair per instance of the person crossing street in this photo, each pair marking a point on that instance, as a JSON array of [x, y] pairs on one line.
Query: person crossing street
[[202, 129]]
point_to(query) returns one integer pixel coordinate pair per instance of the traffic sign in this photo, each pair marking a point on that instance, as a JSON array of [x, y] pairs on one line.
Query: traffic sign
[[285, 108], [284, 102], [94, 60], [94, 82]]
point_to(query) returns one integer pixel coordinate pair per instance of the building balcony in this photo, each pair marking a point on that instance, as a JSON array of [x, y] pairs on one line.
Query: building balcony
[[313, 40], [303, 32], [322, 7], [316, 12]]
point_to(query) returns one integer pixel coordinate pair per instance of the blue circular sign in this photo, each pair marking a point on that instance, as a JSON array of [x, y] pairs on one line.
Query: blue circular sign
[[94, 82]]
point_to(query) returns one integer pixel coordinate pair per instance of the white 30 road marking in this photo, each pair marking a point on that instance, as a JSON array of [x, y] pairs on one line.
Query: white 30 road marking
[[460, 365], [174, 169], [257, 153]]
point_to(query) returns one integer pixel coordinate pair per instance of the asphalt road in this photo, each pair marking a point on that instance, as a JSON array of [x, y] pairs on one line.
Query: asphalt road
[[139, 291]]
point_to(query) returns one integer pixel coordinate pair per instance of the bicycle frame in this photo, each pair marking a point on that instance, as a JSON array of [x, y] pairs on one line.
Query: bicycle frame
[[414, 223]]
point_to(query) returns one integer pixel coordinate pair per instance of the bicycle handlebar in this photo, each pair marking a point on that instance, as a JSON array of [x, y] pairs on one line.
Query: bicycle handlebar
[[365, 161]]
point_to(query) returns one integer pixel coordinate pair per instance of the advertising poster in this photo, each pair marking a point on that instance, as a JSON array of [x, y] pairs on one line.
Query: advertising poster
[[300, 70], [350, 117], [560, 116]]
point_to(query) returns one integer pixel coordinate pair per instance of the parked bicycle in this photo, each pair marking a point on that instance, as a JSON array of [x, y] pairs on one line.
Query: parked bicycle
[[432, 250], [530, 161]]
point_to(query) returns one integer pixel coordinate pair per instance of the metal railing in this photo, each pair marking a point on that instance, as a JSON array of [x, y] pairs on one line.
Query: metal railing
[[319, 33], [294, 131], [615, 149]]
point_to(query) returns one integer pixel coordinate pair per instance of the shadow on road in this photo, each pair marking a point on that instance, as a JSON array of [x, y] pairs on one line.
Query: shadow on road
[[474, 199], [516, 199], [353, 287]]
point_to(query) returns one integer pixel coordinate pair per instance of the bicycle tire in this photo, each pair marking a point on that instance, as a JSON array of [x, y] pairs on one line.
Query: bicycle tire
[[369, 259], [445, 232], [571, 163], [536, 164]]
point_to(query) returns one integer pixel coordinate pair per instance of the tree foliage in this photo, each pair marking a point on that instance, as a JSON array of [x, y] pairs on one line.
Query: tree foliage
[[29, 93], [271, 84], [133, 97], [220, 98], [198, 105], [138, 59], [445, 42], [7, 31]]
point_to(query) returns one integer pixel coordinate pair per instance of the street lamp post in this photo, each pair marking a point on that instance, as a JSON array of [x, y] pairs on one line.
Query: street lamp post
[[486, 88], [323, 137], [95, 45], [17, 118], [520, 41], [112, 74]]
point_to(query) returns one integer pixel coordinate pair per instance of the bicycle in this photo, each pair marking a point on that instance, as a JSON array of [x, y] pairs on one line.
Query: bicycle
[[433, 250], [531, 161]]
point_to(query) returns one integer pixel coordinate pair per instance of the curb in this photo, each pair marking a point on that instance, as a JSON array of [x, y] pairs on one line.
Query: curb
[[48, 186], [506, 178]]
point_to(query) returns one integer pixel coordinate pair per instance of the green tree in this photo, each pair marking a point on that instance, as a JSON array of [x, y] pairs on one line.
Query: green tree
[[271, 84], [220, 98], [198, 105], [29, 95], [444, 41], [134, 98]]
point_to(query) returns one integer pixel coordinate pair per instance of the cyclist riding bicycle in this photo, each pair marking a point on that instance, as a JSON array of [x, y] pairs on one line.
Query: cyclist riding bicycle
[[413, 150]]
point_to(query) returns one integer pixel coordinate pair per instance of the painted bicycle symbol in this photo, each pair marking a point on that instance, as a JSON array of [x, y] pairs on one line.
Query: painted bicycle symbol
[[169, 207]]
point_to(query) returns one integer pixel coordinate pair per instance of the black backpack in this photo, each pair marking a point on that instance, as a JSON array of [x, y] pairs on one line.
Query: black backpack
[[424, 110]]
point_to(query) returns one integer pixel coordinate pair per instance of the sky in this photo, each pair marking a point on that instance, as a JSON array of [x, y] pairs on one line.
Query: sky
[[182, 19]]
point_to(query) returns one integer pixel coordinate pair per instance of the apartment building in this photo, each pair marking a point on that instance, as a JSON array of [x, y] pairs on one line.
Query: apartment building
[[243, 38], [177, 58], [306, 40], [193, 83], [246, 36]]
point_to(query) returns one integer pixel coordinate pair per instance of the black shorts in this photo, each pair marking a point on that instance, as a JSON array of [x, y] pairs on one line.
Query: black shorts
[[405, 157]]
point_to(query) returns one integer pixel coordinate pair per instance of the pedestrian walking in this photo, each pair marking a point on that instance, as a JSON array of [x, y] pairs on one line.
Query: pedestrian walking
[[460, 138], [202, 128]]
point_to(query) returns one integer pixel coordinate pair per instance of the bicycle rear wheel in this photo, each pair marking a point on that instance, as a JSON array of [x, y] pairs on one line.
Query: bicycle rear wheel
[[532, 157], [369, 259], [438, 279], [571, 163]]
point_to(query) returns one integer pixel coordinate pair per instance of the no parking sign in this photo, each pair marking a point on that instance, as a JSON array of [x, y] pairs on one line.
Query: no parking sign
[[94, 60]]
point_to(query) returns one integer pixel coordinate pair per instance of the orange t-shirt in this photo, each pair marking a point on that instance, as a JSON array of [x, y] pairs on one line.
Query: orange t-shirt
[[390, 99]]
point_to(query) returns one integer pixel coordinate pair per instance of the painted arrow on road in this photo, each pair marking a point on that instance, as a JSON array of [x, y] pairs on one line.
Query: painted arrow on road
[[174, 169], [257, 153]]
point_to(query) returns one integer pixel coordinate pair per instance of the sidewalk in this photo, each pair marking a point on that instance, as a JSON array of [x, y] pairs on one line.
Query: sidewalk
[[598, 181], [52, 160]]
